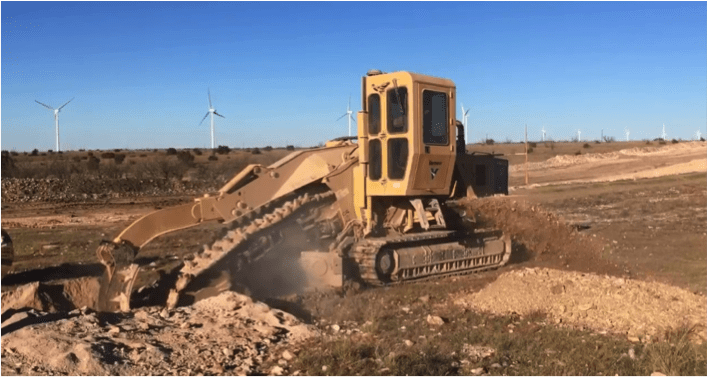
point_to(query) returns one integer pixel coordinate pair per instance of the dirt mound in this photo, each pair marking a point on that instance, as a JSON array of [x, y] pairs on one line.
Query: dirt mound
[[562, 161], [636, 308], [228, 334], [540, 235]]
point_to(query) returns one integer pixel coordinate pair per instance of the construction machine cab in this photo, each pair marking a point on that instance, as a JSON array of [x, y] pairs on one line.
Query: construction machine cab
[[406, 134]]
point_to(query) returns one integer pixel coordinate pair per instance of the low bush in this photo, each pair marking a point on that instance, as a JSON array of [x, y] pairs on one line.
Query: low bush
[[107, 155], [577, 153], [290, 147], [213, 158], [674, 141], [171, 151], [185, 158], [489, 142], [586, 145], [35, 152], [119, 158], [223, 149], [197, 151], [533, 145], [267, 149], [255, 151]]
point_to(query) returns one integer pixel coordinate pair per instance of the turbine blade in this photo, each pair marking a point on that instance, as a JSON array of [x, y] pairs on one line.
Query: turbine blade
[[210, 106], [352, 118], [66, 103], [220, 115], [202, 119], [466, 112], [348, 107], [47, 106], [341, 117]]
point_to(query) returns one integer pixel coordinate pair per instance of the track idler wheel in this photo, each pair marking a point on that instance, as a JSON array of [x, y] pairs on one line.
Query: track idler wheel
[[385, 265]]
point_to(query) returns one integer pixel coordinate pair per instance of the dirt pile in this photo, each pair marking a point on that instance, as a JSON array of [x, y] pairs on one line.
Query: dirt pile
[[641, 310], [22, 190], [539, 234], [562, 161], [228, 334]]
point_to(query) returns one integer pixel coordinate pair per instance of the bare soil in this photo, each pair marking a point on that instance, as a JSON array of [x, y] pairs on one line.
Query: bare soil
[[617, 211]]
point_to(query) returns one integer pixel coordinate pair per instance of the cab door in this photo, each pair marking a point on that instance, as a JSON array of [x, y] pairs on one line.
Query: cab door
[[435, 163]]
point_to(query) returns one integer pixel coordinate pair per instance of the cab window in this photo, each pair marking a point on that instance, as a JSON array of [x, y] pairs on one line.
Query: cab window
[[374, 160], [397, 158], [397, 110], [374, 114], [434, 118]]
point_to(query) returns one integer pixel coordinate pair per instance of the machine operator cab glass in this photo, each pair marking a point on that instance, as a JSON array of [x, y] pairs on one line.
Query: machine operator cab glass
[[406, 130]]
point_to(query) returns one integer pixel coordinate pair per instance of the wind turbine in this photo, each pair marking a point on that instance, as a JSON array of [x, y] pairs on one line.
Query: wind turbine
[[348, 112], [543, 130], [697, 134], [664, 135], [56, 118], [213, 112], [579, 136], [465, 119], [627, 133]]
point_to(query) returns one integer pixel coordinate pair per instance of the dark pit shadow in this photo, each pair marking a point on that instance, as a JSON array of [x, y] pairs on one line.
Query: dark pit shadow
[[63, 271], [520, 253]]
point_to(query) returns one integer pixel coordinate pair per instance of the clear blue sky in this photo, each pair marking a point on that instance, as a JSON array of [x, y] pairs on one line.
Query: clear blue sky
[[282, 73]]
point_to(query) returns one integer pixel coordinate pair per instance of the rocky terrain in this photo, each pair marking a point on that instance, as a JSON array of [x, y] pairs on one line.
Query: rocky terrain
[[228, 334], [637, 309]]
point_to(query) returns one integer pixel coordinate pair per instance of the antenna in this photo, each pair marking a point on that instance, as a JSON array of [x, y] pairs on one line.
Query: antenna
[[56, 118], [350, 117], [627, 133], [213, 112]]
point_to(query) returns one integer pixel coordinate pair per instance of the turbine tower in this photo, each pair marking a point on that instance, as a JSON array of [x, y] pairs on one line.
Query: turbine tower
[[627, 133], [465, 119], [663, 135], [213, 112], [348, 112], [698, 134], [543, 130], [579, 136], [56, 118]]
